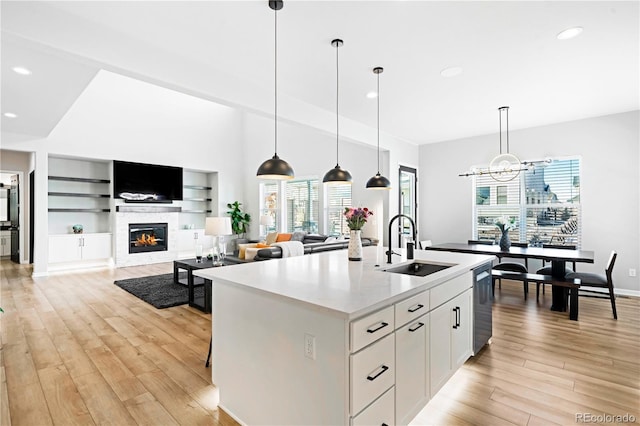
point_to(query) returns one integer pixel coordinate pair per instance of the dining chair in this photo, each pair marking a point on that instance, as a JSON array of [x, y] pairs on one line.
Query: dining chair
[[546, 270], [514, 267], [599, 281], [425, 243]]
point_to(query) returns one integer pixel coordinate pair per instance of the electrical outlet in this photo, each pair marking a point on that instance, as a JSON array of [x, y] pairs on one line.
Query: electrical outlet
[[309, 346], [632, 272]]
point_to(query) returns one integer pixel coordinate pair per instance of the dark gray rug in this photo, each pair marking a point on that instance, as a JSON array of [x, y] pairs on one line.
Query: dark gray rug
[[159, 290]]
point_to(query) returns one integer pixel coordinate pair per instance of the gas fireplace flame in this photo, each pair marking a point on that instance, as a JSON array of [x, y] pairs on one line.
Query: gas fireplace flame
[[146, 240]]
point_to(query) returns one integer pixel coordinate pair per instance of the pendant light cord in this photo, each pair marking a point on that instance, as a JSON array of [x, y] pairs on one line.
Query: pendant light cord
[[506, 108], [337, 106], [275, 78], [378, 75]]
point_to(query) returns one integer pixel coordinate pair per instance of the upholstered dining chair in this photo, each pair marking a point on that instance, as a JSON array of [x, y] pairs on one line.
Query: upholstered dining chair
[[510, 266], [590, 280], [546, 270]]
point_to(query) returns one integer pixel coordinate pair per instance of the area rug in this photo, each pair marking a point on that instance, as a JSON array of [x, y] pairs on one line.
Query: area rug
[[159, 290]]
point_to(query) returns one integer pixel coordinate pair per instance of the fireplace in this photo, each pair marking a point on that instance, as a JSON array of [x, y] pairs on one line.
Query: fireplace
[[146, 237]]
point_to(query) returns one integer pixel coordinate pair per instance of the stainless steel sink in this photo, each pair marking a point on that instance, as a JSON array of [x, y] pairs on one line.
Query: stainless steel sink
[[417, 268]]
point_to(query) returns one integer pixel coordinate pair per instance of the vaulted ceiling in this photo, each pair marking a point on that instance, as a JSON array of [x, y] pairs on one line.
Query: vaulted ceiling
[[223, 51]]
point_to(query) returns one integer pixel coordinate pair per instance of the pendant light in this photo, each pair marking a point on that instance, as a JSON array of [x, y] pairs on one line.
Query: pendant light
[[504, 167], [275, 167], [378, 181], [337, 174]]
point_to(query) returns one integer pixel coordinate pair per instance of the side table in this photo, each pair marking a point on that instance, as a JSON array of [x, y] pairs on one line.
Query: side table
[[189, 265]]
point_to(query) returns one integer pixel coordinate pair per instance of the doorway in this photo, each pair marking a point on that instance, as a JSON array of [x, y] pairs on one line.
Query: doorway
[[408, 202]]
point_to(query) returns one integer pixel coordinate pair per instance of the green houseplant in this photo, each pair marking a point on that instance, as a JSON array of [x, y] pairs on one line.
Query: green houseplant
[[239, 219]]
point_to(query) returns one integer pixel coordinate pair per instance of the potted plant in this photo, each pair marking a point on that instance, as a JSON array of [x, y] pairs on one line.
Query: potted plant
[[239, 222]]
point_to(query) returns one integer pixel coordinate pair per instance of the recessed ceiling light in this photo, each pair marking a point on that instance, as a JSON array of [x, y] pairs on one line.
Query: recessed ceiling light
[[451, 71], [10, 115], [569, 33], [372, 95], [22, 70]]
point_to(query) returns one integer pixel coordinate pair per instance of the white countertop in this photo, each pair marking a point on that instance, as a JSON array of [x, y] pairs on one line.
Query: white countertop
[[329, 281]]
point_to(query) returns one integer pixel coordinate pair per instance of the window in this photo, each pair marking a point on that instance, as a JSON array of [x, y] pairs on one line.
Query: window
[[302, 205], [545, 202], [269, 204], [338, 197]]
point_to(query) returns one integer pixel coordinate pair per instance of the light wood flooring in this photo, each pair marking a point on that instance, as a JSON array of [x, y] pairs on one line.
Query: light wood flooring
[[76, 349]]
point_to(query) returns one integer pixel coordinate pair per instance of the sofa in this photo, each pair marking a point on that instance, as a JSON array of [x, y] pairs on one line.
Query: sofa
[[312, 243]]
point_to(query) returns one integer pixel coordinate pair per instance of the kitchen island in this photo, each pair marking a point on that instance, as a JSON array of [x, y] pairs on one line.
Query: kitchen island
[[318, 339]]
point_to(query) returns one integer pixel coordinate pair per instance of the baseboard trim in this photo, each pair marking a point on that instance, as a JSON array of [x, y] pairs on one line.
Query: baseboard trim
[[625, 292]]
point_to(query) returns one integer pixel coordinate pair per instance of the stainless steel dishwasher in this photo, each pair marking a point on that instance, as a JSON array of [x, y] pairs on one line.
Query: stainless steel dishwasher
[[482, 304]]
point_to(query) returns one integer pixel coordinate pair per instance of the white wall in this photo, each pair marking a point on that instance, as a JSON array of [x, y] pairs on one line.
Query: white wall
[[610, 184]]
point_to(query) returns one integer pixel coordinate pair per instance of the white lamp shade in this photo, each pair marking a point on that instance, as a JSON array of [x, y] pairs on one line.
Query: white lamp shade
[[218, 226], [266, 220]]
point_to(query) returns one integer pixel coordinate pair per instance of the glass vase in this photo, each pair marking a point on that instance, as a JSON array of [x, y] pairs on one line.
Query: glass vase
[[505, 242]]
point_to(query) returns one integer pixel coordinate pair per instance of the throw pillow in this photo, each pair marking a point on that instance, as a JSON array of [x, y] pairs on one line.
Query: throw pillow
[[330, 240], [298, 236], [242, 249], [271, 238], [283, 237], [262, 245]]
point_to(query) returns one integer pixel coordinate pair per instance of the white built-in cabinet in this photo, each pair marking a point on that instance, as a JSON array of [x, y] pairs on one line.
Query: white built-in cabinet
[[5, 243], [450, 338], [189, 238], [79, 247]]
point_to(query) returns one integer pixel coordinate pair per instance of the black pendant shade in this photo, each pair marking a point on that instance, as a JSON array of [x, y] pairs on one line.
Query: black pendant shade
[[378, 181], [275, 168], [337, 174]]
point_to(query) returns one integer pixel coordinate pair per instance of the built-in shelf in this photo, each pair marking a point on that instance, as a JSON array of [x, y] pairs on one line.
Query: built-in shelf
[[77, 194], [197, 187], [80, 210], [77, 179], [196, 211], [196, 199]]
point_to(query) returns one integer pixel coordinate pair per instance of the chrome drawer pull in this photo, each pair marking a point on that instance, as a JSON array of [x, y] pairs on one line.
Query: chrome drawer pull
[[382, 370], [382, 325], [420, 324], [419, 306]]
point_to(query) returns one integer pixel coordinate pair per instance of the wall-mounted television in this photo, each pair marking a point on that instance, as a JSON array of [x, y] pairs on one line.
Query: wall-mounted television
[[146, 183]]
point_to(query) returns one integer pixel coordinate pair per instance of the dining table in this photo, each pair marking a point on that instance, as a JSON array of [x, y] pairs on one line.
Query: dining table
[[557, 257]]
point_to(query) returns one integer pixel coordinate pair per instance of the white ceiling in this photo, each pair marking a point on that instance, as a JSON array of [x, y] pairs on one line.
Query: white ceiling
[[223, 51]]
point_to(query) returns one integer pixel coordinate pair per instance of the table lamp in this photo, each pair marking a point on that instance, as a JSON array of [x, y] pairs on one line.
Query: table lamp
[[218, 227], [266, 221]]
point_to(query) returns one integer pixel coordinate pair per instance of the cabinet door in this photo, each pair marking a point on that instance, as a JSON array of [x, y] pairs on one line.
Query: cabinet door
[[96, 246], [205, 240], [412, 369], [64, 248], [5, 244], [187, 239], [441, 325], [461, 336]]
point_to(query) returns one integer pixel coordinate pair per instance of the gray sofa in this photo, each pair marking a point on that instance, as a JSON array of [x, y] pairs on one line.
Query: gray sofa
[[312, 243]]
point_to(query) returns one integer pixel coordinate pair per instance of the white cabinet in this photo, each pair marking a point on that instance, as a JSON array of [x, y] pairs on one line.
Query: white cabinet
[[378, 413], [77, 247], [450, 338], [412, 368], [5, 243], [189, 238]]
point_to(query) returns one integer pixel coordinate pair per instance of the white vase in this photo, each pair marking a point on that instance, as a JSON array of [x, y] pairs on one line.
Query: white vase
[[355, 245]]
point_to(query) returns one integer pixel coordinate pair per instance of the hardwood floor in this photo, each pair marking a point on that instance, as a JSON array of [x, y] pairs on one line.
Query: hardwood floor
[[76, 349]]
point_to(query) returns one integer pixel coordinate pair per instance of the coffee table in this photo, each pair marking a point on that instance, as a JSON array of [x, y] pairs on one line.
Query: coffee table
[[189, 265]]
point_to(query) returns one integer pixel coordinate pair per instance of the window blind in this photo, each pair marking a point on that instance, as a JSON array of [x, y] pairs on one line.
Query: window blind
[[302, 205], [338, 197]]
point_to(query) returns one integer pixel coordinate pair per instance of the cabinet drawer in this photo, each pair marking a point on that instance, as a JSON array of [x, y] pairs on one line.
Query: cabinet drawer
[[378, 413], [370, 328], [412, 308], [450, 289], [372, 373]]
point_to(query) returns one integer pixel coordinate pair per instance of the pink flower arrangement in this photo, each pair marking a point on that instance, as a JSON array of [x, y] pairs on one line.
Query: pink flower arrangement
[[356, 217]]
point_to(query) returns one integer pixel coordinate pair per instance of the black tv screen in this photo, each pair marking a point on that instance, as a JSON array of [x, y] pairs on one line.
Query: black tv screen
[[146, 183]]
